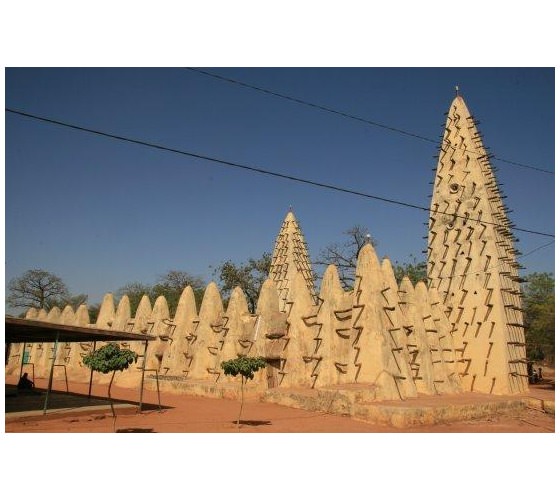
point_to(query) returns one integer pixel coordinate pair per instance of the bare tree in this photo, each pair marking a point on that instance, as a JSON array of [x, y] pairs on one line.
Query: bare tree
[[345, 255], [69, 300], [37, 288]]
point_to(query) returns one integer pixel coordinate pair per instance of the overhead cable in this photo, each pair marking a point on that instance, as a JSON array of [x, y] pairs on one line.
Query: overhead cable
[[347, 115], [256, 169]]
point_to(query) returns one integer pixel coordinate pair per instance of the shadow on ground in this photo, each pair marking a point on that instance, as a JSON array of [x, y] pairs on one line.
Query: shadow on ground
[[253, 422], [34, 400], [547, 385], [135, 429]]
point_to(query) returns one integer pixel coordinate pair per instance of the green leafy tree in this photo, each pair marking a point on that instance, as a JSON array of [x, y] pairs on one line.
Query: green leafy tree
[[170, 285], [109, 359], [36, 288], [538, 308], [134, 290], [416, 271], [246, 367], [249, 276]]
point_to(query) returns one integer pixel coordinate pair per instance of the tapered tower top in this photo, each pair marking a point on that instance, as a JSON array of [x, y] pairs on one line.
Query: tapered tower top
[[290, 258], [472, 261]]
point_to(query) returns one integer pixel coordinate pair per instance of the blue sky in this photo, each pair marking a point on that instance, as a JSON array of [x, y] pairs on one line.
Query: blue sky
[[101, 213]]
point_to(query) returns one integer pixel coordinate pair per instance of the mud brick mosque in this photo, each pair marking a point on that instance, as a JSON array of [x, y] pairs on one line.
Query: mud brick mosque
[[461, 332]]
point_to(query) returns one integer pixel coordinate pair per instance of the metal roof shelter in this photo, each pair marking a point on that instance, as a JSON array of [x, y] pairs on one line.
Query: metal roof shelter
[[30, 331]]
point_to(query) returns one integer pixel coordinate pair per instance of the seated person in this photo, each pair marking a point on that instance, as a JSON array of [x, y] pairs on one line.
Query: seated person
[[24, 383]]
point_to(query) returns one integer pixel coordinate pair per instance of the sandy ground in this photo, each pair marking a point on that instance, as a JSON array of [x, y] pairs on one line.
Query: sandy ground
[[190, 414]]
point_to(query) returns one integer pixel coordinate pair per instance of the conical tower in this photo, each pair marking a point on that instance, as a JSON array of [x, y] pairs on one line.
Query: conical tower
[[290, 258], [472, 261]]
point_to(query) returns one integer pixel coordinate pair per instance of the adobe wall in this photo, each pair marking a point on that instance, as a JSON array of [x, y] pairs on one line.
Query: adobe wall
[[472, 262], [464, 332], [365, 337]]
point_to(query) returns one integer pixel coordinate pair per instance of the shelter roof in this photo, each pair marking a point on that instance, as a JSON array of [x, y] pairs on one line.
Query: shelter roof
[[25, 330]]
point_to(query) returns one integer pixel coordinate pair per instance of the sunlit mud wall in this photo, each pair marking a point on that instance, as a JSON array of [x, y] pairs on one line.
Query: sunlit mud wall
[[472, 262], [393, 339], [462, 332]]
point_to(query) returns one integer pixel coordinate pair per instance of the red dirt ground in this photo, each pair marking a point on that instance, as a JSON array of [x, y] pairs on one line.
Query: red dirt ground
[[190, 414]]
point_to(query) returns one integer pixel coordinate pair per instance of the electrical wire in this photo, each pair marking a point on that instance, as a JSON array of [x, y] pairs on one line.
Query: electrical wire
[[536, 249], [352, 117], [480, 271], [312, 105], [257, 170]]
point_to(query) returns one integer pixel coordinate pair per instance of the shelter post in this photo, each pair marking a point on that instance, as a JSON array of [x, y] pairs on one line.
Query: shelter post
[[143, 373], [22, 360], [51, 373], [91, 372]]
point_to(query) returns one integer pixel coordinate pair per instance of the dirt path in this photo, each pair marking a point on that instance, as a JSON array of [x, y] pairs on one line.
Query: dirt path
[[189, 414]]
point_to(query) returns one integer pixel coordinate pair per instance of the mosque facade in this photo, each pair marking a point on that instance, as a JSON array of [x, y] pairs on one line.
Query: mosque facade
[[461, 331]]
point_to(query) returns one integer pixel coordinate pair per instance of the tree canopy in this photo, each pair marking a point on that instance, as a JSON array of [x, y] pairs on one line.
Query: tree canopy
[[41, 289], [246, 367], [110, 358], [416, 271], [344, 255], [249, 276], [170, 285], [538, 308]]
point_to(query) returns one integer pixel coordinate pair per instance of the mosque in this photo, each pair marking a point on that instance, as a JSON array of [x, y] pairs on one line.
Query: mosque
[[462, 331]]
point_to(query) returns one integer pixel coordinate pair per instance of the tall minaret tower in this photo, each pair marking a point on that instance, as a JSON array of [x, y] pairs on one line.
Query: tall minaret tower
[[472, 261], [290, 257]]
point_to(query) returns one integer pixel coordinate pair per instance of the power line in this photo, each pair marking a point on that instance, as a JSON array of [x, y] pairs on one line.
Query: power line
[[256, 169], [347, 115], [536, 249], [498, 265], [312, 105]]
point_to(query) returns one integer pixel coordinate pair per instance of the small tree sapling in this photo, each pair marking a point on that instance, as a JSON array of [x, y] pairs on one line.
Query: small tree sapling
[[110, 358], [246, 367]]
